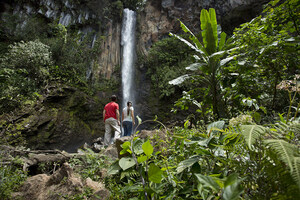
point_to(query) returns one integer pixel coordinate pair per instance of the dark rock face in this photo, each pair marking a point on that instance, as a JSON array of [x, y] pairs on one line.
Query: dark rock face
[[64, 119], [161, 17]]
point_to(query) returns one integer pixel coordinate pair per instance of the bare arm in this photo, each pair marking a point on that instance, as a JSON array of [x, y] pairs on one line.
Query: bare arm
[[118, 116], [122, 116], [104, 114], [132, 117]]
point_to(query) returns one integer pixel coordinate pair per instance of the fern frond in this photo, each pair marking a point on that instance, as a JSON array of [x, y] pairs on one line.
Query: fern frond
[[284, 128], [296, 171], [252, 133], [130, 173], [230, 138], [285, 151]]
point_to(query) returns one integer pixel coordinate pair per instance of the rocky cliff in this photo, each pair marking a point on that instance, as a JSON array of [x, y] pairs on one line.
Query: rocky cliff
[[155, 20], [158, 18]]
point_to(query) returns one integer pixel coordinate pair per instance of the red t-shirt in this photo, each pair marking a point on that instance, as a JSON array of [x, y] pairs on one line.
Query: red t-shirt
[[110, 110]]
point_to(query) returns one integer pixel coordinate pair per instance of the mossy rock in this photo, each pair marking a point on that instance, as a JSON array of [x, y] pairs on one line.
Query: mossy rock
[[64, 119]]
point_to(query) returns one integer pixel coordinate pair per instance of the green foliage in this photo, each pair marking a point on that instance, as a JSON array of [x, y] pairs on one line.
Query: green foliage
[[212, 163], [133, 4], [23, 70], [207, 69], [32, 56], [267, 51], [241, 119], [11, 178], [90, 165], [166, 60], [252, 133]]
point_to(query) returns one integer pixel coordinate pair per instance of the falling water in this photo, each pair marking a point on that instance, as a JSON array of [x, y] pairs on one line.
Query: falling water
[[128, 44]]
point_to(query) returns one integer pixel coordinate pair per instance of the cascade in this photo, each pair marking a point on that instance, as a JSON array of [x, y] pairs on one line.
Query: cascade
[[128, 55]]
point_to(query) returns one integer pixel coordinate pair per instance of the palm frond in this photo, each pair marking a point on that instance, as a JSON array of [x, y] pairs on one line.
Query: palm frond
[[251, 133]]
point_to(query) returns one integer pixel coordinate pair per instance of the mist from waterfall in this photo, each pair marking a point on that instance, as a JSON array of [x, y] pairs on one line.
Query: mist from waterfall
[[128, 55]]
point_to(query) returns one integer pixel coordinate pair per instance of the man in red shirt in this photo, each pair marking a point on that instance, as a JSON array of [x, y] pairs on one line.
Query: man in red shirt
[[111, 116]]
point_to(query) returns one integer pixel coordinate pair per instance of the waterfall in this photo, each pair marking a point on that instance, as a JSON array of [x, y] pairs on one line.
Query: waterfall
[[128, 55]]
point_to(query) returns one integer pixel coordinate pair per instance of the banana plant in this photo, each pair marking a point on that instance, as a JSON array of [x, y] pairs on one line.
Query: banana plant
[[208, 55]]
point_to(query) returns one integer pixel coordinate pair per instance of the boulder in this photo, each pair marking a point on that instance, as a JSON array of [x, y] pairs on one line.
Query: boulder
[[63, 183]]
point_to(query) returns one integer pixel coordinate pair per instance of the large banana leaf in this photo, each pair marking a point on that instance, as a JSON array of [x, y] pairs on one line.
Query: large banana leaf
[[192, 37], [196, 66], [209, 28], [222, 41], [199, 50], [179, 80]]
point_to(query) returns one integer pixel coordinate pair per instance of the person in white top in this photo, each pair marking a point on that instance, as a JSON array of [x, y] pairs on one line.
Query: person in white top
[[128, 119]]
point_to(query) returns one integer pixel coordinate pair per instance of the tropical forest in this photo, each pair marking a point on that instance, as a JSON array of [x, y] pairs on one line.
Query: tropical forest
[[206, 98]]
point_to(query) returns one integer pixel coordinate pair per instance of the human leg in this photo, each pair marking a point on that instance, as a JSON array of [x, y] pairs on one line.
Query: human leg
[[107, 135], [115, 126], [130, 129], [125, 126]]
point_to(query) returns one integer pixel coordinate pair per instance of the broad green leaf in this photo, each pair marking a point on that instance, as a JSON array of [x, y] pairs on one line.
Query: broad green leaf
[[147, 148], [217, 54], [154, 173], [142, 159], [126, 163], [114, 169], [214, 24], [208, 181], [209, 30], [203, 19], [257, 117], [137, 146], [231, 179], [222, 41], [126, 148], [187, 163], [212, 127], [233, 191]]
